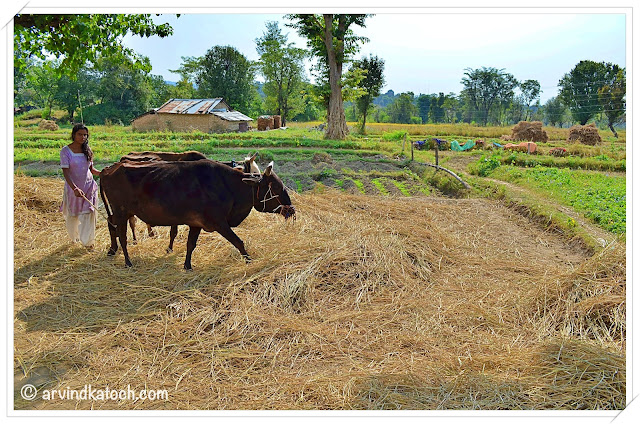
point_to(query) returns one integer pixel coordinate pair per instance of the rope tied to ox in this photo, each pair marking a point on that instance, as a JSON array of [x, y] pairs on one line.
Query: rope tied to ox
[[285, 210]]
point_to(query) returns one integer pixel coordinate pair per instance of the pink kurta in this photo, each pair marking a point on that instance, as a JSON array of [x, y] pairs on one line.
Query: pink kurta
[[81, 177]]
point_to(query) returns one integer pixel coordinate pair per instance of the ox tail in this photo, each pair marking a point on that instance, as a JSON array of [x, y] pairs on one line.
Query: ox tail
[[106, 206]]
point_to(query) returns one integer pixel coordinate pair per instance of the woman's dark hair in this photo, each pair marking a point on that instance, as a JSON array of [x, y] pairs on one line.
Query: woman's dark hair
[[88, 153]]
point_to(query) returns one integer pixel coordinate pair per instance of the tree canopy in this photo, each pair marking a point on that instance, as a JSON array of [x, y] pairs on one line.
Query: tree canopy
[[77, 39], [486, 87], [372, 83], [282, 66], [579, 89]]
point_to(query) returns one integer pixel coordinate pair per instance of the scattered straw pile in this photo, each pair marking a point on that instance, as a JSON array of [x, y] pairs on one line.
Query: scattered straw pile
[[585, 134], [45, 124], [363, 303], [524, 130]]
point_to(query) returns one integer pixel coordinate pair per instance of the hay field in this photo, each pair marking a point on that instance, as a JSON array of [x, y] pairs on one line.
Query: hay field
[[365, 302]]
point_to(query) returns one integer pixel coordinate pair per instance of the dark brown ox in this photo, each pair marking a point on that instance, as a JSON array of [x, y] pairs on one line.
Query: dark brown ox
[[202, 194], [248, 166]]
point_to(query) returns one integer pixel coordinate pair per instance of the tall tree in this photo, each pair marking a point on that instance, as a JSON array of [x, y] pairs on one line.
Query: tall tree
[[124, 91], [373, 68], [43, 79], [579, 89], [487, 87], [76, 93], [331, 40], [530, 91], [436, 110], [402, 109], [424, 102], [227, 73], [612, 95], [80, 38], [555, 111], [282, 66]]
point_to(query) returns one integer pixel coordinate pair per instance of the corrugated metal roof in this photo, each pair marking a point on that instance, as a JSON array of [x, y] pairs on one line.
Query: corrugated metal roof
[[193, 106], [232, 116]]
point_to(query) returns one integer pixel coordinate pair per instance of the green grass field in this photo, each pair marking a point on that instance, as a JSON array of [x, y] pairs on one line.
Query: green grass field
[[374, 163]]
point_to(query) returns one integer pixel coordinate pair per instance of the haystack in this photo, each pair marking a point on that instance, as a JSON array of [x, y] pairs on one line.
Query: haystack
[[265, 123], [277, 121], [48, 125], [531, 131], [585, 134]]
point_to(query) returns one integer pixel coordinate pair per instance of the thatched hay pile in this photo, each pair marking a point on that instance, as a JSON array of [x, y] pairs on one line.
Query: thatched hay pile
[[265, 123], [277, 122], [585, 134], [363, 302], [48, 125], [524, 130]]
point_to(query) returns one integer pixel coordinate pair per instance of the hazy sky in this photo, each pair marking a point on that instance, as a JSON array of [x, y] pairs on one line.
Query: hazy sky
[[424, 52]]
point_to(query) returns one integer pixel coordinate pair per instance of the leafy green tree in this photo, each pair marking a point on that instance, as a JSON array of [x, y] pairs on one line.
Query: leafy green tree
[[451, 106], [530, 91], [227, 73], [402, 109], [160, 90], [373, 68], [80, 38], [331, 39], [76, 93], [612, 95], [579, 89], [424, 104], [487, 87], [42, 77], [282, 66], [311, 112], [436, 110], [555, 111], [124, 91]]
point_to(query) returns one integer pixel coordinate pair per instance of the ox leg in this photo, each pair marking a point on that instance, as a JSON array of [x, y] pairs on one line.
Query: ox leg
[[226, 232], [132, 224], [150, 231], [194, 232], [172, 236], [114, 241], [122, 235]]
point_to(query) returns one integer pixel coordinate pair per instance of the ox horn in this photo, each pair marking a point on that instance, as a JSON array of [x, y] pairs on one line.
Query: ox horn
[[269, 169]]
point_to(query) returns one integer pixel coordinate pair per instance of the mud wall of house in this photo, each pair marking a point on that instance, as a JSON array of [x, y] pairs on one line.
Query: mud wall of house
[[183, 123]]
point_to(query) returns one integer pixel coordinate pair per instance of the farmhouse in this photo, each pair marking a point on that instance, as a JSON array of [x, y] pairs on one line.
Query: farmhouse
[[206, 115]]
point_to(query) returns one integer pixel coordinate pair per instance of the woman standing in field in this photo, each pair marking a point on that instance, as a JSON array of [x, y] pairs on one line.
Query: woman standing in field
[[76, 161]]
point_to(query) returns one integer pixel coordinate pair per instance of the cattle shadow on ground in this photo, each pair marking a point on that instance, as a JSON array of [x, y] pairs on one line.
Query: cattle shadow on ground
[[100, 292]]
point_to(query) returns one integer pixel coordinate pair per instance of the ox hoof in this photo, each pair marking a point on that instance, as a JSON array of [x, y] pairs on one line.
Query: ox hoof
[[152, 234], [111, 252], [247, 258], [128, 264], [188, 268], [169, 250], [134, 242]]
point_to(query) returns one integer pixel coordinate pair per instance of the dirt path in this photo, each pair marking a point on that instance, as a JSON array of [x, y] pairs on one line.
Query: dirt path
[[459, 164]]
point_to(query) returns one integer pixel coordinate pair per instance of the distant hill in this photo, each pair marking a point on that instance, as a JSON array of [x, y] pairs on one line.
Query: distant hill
[[170, 83]]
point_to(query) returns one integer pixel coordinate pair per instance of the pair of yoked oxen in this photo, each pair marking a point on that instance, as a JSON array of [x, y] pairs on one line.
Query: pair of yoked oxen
[[171, 189]]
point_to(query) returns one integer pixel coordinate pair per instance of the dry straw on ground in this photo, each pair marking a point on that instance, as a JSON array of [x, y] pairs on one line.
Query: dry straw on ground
[[363, 303]]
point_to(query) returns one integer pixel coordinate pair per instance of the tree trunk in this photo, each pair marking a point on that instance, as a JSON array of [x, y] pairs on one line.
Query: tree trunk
[[336, 122], [615, 134]]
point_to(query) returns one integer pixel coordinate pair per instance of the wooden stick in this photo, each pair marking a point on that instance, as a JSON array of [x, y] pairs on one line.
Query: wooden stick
[[446, 170]]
